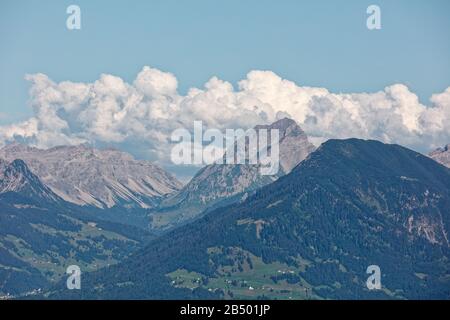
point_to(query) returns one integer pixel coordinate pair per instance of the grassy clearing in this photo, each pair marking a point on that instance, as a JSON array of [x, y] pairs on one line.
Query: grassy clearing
[[249, 281]]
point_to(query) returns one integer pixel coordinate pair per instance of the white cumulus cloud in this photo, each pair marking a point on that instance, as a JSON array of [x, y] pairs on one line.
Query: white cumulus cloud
[[141, 116]]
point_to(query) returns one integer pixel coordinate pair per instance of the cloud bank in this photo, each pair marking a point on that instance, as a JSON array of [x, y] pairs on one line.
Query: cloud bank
[[142, 115]]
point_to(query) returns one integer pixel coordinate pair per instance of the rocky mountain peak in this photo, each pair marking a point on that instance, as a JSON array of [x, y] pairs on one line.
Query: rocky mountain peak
[[217, 182], [442, 155], [283, 125], [294, 145], [17, 177]]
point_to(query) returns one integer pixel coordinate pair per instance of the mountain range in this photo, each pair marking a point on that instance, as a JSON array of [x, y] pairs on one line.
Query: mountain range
[[91, 196], [308, 232], [91, 177], [41, 234], [309, 235]]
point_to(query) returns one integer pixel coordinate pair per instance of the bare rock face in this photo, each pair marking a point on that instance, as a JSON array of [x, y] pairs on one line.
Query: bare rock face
[[217, 182], [294, 144], [442, 155], [16, 177], [101, 178]]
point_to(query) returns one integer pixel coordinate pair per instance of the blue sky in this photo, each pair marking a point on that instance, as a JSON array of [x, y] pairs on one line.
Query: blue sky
[[313, 43]]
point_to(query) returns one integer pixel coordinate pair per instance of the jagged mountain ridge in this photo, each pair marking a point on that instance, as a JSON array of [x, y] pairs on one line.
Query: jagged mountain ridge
[[16, 177], [101, 178], [217, 182]]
